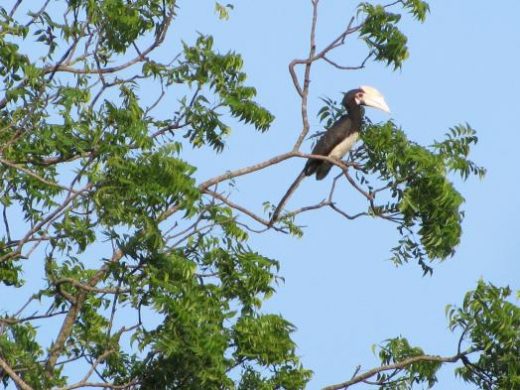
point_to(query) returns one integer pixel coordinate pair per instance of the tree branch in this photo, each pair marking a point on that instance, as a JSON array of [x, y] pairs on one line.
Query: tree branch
[[99, 360], [399, 366], [235, 206], [88, 288], [312, 57], [272, 161], [13, 375], [246, 170], [307, 77], [341, 67]]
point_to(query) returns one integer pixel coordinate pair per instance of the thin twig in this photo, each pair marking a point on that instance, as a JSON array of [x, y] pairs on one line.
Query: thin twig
[[100, 359], [336, 65], [239, 208], [15, 7], [34, 175]]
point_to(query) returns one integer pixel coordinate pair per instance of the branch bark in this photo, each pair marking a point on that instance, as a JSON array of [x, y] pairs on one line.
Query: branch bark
[[397, 366], [14, 376], [307, 77]]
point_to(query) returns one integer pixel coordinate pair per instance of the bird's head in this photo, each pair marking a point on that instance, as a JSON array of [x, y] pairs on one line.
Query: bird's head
[[365, 96]]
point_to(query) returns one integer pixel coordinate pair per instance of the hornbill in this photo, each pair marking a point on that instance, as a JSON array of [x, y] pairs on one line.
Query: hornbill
[[338, 139]]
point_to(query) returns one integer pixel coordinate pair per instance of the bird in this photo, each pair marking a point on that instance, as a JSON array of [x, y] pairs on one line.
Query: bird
[[337, 141]]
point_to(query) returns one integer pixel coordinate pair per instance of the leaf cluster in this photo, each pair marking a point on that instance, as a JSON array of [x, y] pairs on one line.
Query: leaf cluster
[[490, 323], [18, 346], [223, 10], [120, 23], [222, 74], [158, 278], [380, 32], [397, 350], [209, 293], [422, 195]]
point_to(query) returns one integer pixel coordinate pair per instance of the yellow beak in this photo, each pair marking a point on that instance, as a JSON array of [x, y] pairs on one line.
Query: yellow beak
[[373, 98]]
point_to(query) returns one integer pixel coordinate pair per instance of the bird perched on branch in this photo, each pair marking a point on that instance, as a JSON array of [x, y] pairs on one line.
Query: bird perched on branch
[[338, 139]]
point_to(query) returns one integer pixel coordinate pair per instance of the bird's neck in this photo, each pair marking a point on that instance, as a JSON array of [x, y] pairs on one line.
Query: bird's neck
[[356, 113]]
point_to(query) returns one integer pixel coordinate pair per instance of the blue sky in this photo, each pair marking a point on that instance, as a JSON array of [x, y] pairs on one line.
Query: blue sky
[[340, 290]]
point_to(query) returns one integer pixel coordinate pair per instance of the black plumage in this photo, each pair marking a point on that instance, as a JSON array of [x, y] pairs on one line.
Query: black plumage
[[346, 126], [338, 139]]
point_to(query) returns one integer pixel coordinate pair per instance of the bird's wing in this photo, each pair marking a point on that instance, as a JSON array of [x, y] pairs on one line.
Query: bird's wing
[[333, 136], [328, 141]]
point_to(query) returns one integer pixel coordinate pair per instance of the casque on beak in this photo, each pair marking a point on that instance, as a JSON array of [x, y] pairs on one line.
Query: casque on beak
[[371, 97]]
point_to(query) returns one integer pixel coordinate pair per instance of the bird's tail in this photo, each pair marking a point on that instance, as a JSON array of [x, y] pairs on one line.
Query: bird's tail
[[286, 197]]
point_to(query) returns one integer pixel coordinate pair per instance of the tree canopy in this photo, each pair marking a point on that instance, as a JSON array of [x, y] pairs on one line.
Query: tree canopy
[[148, 276]]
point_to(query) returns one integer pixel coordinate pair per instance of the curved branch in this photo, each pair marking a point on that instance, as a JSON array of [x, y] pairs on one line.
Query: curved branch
[[398, 366]]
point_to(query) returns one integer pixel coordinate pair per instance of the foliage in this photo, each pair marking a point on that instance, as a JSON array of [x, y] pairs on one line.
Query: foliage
[[490, 326], [155, 284], [148, 278], [381, 34], [223, 10], [490, 323], [421, 193]]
